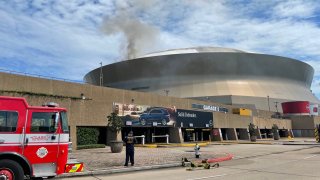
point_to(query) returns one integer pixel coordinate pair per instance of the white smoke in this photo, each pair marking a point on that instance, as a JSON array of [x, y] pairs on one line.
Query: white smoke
[[140, 37]]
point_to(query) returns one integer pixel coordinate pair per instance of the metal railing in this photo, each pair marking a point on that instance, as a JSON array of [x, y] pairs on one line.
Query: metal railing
[[154, 136], [142, 139]]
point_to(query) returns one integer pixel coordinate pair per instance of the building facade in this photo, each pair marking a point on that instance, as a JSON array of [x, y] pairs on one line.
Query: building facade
[[89, 106]]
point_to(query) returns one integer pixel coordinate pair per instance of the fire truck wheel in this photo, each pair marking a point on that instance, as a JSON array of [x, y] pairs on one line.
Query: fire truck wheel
[[11, 169]]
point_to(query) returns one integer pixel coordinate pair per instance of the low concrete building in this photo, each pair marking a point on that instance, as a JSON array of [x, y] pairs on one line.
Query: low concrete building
[[89, 105]]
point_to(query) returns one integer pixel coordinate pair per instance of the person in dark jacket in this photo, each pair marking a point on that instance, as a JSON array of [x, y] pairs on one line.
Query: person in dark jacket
[[129, 140]]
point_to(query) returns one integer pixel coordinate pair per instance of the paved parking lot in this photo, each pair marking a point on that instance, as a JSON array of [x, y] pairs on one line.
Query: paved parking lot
[[102, 158], [251, 161]]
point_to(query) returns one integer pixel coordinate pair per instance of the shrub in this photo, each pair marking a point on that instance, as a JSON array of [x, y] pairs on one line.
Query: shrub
[[252, 129], [87, 135], [90, 146], [275, 128]]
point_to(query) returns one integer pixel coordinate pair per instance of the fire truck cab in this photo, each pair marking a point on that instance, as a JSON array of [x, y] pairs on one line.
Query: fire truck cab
[[33, 140]]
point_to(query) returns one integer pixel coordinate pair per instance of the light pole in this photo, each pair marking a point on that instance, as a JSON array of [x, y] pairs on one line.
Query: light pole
[[268, 102], [101, 75]]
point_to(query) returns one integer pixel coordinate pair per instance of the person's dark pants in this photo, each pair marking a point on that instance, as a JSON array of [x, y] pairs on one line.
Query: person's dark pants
[[129, 154]]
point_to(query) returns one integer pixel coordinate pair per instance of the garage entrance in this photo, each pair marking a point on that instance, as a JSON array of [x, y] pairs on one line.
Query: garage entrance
[[196, 134], [147, 132]]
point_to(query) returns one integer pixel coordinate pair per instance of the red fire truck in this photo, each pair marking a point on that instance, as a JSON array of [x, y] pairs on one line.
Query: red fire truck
[[33, 140]]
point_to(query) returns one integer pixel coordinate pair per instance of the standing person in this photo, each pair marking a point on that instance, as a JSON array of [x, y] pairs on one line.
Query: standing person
[[129, 140], [197, 150]]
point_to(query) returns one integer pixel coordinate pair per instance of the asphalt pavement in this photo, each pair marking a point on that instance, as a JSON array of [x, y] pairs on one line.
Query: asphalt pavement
[[101, 161]]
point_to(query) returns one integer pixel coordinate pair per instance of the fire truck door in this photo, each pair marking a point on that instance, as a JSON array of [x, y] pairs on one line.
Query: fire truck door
[[41, 142]]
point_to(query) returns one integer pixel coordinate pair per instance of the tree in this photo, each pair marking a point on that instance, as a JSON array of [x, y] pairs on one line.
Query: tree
[[252, 132], [252, 129], [114, 122], [275, 132]]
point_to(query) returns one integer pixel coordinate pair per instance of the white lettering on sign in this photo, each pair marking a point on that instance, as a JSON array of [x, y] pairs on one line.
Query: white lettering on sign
[[186, 114], [40, 138], [42, 152], [211, 108]]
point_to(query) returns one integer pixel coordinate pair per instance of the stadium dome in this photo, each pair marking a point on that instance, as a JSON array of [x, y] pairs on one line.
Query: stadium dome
[[214, 74]]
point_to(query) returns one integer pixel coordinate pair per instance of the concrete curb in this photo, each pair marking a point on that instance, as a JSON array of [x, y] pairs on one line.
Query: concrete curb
[[201, 144], [267, 143], [234, 142], [301, 144], [119, 170], [147, 145]]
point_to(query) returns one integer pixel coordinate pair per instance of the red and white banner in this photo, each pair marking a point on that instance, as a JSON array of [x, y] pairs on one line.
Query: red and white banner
[[300, 108]]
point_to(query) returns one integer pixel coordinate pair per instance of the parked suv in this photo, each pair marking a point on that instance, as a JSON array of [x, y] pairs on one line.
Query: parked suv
[[159, 115]]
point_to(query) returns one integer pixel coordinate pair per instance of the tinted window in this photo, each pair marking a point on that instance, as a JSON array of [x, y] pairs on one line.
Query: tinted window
[[43, 122], [64, 122], [165, 111], [8, 121], [155, 111]]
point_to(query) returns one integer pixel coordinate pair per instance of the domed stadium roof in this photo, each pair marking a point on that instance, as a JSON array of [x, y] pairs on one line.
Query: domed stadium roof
[[223, 75], [194, 50]]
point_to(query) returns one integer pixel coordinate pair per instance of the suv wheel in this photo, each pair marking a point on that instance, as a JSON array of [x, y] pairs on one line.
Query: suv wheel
[[143, 122], [164, 122]]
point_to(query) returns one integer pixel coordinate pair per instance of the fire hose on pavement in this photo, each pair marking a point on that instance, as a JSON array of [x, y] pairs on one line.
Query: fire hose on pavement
[[206, 163]]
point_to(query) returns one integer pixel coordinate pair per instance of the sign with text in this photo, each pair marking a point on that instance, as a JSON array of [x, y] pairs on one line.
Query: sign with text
[[209, 108], [196, 119], [149, 116], [142, 115]]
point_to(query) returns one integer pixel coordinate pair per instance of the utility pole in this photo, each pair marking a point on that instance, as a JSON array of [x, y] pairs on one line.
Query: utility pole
[[101, 75], [268, 102]]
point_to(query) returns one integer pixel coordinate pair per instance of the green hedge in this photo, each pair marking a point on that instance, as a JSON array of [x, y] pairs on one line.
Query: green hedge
[[87, 135], [91, 146]]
